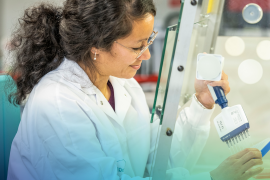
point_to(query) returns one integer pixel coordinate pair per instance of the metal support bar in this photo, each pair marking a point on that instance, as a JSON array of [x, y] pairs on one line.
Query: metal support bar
[[174, 90], [217, 25], [213, 26]]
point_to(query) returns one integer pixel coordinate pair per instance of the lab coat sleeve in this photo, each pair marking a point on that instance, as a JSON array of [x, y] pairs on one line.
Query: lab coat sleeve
[[70, 139], [190, 135]]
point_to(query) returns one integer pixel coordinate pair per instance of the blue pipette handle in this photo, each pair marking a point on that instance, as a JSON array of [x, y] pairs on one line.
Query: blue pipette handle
[[221, 98]]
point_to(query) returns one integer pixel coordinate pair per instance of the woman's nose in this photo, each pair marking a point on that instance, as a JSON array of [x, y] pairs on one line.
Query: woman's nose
[[146, 55]]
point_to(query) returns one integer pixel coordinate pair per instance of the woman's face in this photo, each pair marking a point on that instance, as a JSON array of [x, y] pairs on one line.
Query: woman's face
[[121, 62]]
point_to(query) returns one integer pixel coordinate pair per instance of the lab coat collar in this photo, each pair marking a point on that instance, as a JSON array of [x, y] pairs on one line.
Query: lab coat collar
[[122, 98], [73, 73], [122, 101]]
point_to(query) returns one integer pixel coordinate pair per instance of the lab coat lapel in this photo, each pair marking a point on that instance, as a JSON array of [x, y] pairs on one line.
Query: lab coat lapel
[[121, 97], [104, 105], [74, 73]]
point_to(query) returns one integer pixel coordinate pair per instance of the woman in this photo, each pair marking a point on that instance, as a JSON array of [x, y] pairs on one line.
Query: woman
[[86, 117]]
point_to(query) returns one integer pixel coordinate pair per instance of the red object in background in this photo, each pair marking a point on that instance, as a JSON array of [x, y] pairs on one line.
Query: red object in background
[[4, 73], [238, 6], [175, 3], [146, 78]]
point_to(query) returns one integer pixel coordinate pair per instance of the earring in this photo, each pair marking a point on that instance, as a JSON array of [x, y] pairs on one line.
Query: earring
[[95, 58]]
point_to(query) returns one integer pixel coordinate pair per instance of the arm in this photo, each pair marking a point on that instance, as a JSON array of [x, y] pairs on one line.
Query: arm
[[192, 128], [194, 123], [190, 135]]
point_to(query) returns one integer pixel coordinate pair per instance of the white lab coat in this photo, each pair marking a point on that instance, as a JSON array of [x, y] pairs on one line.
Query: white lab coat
[[69, 131]]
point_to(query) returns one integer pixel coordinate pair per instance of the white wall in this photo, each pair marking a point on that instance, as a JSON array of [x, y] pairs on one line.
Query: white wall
[[12, 10], [164, 9]]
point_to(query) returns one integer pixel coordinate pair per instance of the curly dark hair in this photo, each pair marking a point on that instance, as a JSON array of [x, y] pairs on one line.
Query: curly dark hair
[[46, 34]]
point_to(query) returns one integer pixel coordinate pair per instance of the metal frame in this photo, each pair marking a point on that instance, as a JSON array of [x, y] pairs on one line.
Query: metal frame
[[207, 40], [174, 90], [213, 27]]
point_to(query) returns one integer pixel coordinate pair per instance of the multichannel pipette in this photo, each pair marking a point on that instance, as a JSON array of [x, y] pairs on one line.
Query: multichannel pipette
[[232, 124]]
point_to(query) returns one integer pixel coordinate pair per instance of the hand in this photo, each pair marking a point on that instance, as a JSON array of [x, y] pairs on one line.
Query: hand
[[203, 94], [238, 166]]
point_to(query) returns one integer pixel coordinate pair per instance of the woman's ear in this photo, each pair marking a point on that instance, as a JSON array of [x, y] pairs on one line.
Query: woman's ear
[[95, 50]]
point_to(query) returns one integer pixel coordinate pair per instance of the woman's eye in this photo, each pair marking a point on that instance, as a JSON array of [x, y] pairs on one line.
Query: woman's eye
[[137, 49]]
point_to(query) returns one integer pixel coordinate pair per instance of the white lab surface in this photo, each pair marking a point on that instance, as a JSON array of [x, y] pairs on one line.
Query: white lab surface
[[69, 131]]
